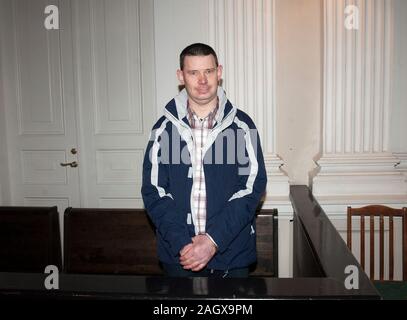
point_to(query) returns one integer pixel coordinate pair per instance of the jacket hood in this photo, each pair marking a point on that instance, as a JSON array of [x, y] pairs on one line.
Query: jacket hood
[[177, 107]]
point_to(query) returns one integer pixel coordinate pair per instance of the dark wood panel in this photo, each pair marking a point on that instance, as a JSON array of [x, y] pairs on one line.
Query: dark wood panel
[[123, 241], [267, 244], [29, 238], [305, 263], [109, 241]]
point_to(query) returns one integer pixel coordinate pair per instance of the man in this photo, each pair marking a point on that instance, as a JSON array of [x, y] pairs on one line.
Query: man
[[201, 190]]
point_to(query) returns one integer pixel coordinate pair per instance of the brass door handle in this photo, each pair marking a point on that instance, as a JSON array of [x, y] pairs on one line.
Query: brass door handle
[[73, 164]]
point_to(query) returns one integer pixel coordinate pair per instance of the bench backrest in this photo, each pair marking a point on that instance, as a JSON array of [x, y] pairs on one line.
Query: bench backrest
[[109, 241], [123, 241], [29, 239]]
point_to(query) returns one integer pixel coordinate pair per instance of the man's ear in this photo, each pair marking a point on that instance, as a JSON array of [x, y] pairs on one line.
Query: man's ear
[[180, 76], [220, 70]]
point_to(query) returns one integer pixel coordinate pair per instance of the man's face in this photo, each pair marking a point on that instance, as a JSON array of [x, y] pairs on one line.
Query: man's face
[[200, 77]]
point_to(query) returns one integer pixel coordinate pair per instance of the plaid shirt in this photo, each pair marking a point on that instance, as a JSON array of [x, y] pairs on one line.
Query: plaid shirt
[[200, 130]]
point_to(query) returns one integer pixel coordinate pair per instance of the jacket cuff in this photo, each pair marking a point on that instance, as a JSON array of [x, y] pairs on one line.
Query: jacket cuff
[[178, 244], [213, 241]]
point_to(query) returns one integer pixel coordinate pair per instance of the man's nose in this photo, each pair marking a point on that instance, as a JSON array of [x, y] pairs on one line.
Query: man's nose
[[202, 78]]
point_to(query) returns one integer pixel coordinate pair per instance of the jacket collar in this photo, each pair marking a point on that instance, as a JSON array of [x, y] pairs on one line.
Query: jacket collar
[[177, 107]]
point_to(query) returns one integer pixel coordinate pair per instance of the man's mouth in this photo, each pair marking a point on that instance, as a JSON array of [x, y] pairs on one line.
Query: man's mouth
[[202, 90]]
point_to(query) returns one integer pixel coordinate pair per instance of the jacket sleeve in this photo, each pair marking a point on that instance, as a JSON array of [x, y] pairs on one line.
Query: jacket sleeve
[[240, 209], [157, 198]]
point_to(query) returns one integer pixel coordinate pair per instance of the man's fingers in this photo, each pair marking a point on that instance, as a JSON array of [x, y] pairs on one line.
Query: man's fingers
[[193, 265], [189, 258], [186, 249], [196, 255], [187, 262], [199, 268], [188, 255]]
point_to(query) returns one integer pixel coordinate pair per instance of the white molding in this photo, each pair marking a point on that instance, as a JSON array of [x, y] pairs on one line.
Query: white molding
[[277, 197], [120, 202], [359, 177], [278, 187], [104, 60], [42, 167], [50, 77], [285, 247], [402, 157], [119, 166], [402, 164]]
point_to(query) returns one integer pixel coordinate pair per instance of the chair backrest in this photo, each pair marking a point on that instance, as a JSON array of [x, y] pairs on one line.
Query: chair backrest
[[29, 239], [111, 241], [123, 241], [383, 212]]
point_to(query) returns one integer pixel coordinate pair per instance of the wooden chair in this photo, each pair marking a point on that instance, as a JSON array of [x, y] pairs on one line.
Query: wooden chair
[[382, 212], [29, 239]]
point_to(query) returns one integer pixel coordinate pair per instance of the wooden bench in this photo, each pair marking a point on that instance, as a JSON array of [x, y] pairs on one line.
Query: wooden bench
[[29, 239], [109, 241], [122, 241]]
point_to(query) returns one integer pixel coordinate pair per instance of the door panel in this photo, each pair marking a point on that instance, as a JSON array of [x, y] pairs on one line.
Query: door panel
[[115, 68], [41, 109], [40, 106]]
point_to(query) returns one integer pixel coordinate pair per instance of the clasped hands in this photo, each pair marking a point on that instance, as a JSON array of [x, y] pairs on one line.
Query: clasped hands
[[196, 255]]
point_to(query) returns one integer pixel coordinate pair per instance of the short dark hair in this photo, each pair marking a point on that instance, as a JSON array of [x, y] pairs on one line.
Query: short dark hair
[[197, 49]]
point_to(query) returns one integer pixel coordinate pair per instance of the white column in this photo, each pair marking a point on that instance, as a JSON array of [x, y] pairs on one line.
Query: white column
[[242, 34], [356, 161]]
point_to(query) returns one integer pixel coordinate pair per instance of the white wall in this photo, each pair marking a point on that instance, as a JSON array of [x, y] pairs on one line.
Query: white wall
[[399, 105], [177, 23], [298, 85]]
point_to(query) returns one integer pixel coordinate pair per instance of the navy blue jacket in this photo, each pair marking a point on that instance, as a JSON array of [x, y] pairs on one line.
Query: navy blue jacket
[[235, 180]]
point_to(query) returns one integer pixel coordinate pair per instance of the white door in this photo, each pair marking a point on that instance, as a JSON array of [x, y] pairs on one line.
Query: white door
[[114, 52], [79, 101], [40, 106]]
